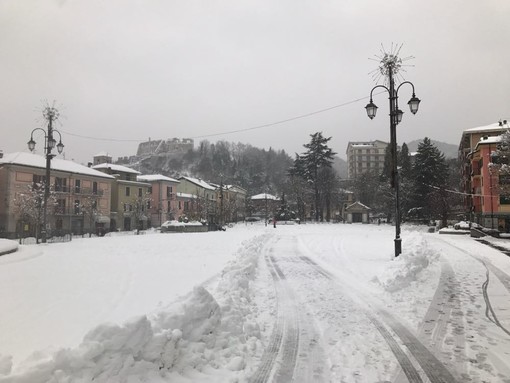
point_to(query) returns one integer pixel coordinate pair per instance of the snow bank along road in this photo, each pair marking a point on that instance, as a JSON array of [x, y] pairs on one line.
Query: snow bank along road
[[304, 303]]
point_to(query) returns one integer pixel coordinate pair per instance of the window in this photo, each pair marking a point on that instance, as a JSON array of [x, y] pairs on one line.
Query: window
[[169, 192], [149, 190], [77, 206], [128, 191], [180, 205], [60, 184], [140, 192], [94, 187], [38, 181], [61, 206], [168, 207], [77, 186]]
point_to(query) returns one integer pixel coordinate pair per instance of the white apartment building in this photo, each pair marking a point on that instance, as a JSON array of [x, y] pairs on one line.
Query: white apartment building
[[364, 156]]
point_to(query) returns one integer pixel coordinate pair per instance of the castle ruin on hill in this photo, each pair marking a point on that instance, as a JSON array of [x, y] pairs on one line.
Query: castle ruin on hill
[[169, 146]]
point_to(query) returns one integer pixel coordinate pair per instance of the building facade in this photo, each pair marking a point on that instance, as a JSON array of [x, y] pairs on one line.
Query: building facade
[[482, 201], [79, 203], [232, 203], [365, 156], [130, 198], [164, 205], [199, 199]]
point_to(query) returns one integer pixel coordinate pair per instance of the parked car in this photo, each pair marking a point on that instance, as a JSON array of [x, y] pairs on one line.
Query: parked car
[[464, 225]]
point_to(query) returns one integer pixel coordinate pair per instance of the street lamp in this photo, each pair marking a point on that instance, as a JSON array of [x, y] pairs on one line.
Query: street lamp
[[50, 114], [390, 65]]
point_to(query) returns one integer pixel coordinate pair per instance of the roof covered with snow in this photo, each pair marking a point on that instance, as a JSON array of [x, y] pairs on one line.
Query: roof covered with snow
[[264, 196], [489, 140], [155, 177], [116, 168], [198, 182], [492, 127], [37, 161], [357, 204], [102, 154]]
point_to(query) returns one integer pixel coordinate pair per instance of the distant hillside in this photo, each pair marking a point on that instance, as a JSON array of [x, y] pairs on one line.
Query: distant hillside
[[340, 165], [449, 150]]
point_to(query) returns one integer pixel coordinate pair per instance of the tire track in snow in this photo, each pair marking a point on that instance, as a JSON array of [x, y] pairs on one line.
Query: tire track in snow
[[293, 352], [445, 302], [433, 368], [501, 365], [489, 311], [279, 359], [264, 371], [501, 275]]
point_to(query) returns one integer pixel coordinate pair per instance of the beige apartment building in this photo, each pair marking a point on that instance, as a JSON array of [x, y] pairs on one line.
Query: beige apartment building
[[80, 195], [131, 201], [364, 156]]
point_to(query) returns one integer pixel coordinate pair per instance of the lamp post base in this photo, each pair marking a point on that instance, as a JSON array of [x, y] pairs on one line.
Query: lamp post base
[[398, 246]]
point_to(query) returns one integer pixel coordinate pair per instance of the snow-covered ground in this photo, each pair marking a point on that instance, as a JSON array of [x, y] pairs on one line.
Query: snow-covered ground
[[255, 303]]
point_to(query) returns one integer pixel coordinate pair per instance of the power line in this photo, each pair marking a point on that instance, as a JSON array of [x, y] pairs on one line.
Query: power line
[[230, 131], [286, 120]]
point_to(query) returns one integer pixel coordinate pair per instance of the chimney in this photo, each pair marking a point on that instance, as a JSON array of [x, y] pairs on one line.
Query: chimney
[[89, 164]]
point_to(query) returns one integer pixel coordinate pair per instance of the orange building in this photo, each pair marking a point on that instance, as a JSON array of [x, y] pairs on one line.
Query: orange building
[[482, 201]]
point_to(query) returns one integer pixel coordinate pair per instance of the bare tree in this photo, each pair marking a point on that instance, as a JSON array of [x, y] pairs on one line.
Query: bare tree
[[29, 206], [140, 208], [88, 207]]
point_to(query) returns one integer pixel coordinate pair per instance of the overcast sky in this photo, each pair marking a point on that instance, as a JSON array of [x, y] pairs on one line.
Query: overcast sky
[[133, 69]]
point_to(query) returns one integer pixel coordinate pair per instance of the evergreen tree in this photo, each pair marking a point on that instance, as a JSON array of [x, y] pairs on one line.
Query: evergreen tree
[[405, 163], [317, 157], [430, 177], [405, 180]]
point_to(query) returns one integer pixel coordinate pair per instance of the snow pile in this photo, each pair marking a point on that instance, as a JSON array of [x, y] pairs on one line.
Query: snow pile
[[198, 338], [7, 246], [407, 267], [178, 223]]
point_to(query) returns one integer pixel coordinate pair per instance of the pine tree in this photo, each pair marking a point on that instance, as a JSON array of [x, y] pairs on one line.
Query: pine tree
[[430, 177], [317, 157], [405, 162]]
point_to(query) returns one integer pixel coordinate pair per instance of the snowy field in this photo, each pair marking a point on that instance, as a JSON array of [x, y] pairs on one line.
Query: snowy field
[[304, 303]]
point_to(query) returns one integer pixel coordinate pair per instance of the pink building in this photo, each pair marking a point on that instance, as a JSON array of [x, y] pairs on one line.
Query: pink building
[[81, 195], [164, 204]]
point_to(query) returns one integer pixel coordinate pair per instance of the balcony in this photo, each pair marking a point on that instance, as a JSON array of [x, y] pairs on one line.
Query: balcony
[[78, 190]]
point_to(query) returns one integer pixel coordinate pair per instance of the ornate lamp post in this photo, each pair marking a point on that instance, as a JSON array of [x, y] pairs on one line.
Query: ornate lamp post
[[50, 114], [390, 65]]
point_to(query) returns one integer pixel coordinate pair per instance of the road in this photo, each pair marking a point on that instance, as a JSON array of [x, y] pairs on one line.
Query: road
[[333, 326]]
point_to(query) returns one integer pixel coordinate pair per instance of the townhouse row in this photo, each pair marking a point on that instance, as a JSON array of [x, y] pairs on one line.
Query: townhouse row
[[105, 197]]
